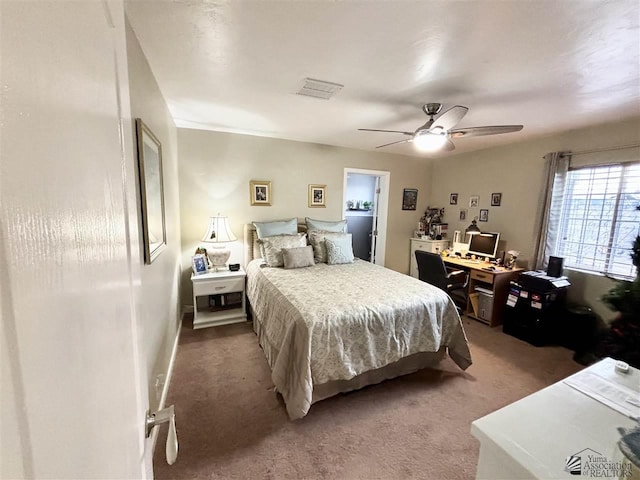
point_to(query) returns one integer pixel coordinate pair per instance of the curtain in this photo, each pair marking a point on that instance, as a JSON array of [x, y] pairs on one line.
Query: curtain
[[550, 206]]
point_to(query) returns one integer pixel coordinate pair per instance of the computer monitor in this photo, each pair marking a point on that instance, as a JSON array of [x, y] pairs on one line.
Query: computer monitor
[[484, 244]]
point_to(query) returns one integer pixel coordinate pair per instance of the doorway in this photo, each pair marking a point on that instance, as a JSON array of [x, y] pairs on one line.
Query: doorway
[[365, 207]]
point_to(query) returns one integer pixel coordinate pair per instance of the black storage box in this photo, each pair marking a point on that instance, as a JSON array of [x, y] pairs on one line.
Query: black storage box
[[535, 307]]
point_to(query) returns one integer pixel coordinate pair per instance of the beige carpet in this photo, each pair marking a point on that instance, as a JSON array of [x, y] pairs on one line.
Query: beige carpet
[[232, 425]]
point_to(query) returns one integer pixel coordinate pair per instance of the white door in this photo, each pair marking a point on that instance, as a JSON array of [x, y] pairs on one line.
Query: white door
[[374, 223], [72, 386]]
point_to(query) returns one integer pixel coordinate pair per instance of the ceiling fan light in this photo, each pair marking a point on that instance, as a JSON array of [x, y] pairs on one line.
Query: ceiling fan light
[[429, 142]]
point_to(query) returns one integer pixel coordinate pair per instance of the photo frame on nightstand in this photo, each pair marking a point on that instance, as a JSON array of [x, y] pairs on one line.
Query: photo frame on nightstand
[[199, 264]]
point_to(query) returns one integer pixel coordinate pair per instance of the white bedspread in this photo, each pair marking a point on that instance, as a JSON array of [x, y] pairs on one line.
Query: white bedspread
[[333, 322]]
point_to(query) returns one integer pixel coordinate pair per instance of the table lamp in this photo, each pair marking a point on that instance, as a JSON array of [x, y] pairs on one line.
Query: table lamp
[[219, 233], [472, 229]]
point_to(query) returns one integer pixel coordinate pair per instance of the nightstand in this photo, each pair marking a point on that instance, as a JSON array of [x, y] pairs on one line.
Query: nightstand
[[228, 304]]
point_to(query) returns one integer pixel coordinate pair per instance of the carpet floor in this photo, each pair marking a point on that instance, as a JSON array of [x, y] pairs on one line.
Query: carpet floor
[[232, 425]]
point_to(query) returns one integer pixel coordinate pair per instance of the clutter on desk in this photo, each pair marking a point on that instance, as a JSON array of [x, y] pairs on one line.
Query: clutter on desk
[[513, 257]]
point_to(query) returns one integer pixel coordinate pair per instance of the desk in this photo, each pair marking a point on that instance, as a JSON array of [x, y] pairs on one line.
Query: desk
[[496, 281], [533, 437]]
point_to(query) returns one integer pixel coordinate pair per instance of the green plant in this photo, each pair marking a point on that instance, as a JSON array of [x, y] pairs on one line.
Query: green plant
[[622, 340]]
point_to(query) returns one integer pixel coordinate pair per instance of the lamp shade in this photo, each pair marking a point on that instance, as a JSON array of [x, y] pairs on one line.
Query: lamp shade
[[219, 231]]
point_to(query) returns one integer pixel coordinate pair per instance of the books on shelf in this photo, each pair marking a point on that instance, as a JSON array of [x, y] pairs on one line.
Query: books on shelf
[[225, 300], [486, 291]]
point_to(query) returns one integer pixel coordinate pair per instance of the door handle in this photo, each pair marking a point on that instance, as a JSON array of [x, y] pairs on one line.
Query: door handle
[[166, 415]]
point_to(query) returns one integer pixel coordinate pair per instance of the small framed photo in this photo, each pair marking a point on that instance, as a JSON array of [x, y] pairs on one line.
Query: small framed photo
[[199, 264], [496, 199], [409, 198], [260, 192], [317, 196], [453, 199], [463, 214], [484, 215], [474, 201]]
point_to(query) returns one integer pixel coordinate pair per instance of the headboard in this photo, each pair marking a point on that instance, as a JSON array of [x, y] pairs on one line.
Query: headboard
[[251, 246]]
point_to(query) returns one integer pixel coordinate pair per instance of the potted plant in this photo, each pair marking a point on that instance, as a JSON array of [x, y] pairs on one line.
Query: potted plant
[[622, 340]]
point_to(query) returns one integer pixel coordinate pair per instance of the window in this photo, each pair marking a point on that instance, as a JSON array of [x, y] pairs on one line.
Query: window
[[598, 218]]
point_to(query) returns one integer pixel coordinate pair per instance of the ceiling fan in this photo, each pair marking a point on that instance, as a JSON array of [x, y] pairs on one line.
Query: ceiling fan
[[437, 133]]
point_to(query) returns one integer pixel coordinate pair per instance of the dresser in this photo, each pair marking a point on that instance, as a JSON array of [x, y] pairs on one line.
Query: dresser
[[432, 246]]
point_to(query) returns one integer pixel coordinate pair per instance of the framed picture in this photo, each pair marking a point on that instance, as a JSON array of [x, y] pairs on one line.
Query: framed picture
[[453, 199], [484, 215], [260, 192], [154, 234], [463, 214], [409, 198], [496, 199], [474, 201], [199, 264], [317, 195]]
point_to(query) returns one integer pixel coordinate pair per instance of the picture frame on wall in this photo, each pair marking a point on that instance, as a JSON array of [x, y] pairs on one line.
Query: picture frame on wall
[[409, 199], [496, 199], [260, 192], [484, 215], [453, 199], [154, 233], [463, 214], [317, 196], [474, 201]]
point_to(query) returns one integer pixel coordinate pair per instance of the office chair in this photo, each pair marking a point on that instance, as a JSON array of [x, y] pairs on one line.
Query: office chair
[[431, 269]]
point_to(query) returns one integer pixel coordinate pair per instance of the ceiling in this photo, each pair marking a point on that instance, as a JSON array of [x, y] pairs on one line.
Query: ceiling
[[235, 66]]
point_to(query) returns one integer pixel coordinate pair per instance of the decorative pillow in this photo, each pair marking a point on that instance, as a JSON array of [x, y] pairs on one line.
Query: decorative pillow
[[272, 247], [325, 226], [298, 257], [317, 241], [280, 227], [339, 250]]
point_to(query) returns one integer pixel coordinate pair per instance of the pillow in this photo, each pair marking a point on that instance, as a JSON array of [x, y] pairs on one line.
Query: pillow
[[336, 226], [317, 241], [273, 246], [298, 257], [280, 227], [339, 250]]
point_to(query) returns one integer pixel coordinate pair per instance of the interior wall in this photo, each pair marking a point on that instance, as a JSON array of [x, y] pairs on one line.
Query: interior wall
[[516, 171], [215, 169], [160, 281]]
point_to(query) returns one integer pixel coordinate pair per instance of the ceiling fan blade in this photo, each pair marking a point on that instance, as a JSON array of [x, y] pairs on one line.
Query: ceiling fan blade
[[450, 118], [448, 145], [389, 131], [393, 143], [478, 131]]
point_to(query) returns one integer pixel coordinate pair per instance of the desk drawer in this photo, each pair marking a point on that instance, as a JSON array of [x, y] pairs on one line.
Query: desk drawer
[[214, 286], [482, 276]]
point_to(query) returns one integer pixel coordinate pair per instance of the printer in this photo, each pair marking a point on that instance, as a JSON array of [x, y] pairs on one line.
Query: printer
[[539, 280]]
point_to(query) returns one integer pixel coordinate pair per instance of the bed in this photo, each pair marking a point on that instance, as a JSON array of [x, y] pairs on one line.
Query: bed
[[327, 329]]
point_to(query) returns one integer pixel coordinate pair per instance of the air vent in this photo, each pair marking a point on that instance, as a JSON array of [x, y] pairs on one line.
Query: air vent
[[319, 88]]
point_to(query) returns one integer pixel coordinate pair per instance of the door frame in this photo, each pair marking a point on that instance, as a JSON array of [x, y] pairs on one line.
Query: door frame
[[383, 206]]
